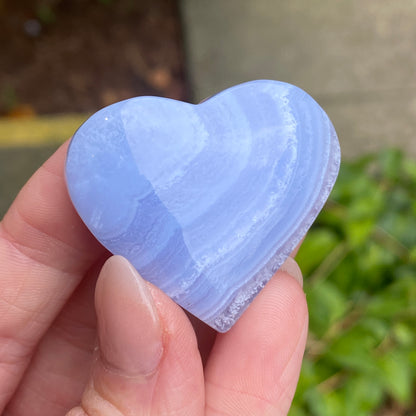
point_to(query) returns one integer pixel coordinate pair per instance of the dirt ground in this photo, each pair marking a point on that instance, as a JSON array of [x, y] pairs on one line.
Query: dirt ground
[[65, 56], [80, 55]]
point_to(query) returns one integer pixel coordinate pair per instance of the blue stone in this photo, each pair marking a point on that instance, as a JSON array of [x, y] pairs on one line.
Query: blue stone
[[208, 200]]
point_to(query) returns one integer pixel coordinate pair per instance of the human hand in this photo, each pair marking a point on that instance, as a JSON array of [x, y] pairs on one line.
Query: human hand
[[151, 357]]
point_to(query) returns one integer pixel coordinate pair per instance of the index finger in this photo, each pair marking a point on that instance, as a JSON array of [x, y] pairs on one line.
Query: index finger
[[45, 250]]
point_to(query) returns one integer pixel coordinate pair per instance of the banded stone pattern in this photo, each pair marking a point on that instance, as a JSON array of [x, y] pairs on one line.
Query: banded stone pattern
[[207, 200]]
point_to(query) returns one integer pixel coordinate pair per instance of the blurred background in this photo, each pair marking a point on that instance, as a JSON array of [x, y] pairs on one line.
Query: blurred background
[[61, 60]]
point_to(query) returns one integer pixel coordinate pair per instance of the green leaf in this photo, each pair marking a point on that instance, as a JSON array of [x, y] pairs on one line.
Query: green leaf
[[297, 410], [409, 168], [397, 299], [364, 395], [385, 305], [45, 13], [404, 334], [326, 305], [397, 376], [372, 262], [354, 350], [400, 224], [412, 255], [391, 161], [318, 243], [367, 206], [359, 231], [324, 404]]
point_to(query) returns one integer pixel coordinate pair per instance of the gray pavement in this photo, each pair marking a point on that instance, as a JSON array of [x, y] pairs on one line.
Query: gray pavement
[[357, 58], [17, 164]]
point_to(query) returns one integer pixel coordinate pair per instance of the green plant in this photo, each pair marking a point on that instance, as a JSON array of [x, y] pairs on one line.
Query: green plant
[[8, 98], [45, 13], [359, 262]]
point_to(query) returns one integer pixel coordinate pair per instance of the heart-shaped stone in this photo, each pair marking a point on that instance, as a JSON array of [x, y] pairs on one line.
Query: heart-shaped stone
[[207, 200]]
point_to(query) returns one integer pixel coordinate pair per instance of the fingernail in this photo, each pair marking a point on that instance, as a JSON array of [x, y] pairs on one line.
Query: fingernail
[[291, 267], [129, 329]]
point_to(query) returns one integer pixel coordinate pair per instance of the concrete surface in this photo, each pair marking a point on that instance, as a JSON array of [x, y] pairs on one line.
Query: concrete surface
[[25, 144], [17, 164], [357, 58]]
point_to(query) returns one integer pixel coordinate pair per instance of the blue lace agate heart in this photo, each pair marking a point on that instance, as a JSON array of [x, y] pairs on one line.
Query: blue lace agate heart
[[207, 200]]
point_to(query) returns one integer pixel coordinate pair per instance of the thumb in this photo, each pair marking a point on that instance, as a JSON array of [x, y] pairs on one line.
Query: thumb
[[147, 361]]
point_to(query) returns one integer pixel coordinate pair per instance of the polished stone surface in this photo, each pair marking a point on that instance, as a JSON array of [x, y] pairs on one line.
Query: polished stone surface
[[207, 200]]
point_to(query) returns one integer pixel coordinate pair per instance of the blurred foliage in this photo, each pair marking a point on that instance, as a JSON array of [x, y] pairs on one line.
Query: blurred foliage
[[8, 98], [359, 262], [45, 13]]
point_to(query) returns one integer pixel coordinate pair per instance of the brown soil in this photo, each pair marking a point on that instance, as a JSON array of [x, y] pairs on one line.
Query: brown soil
[[80, 55]]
